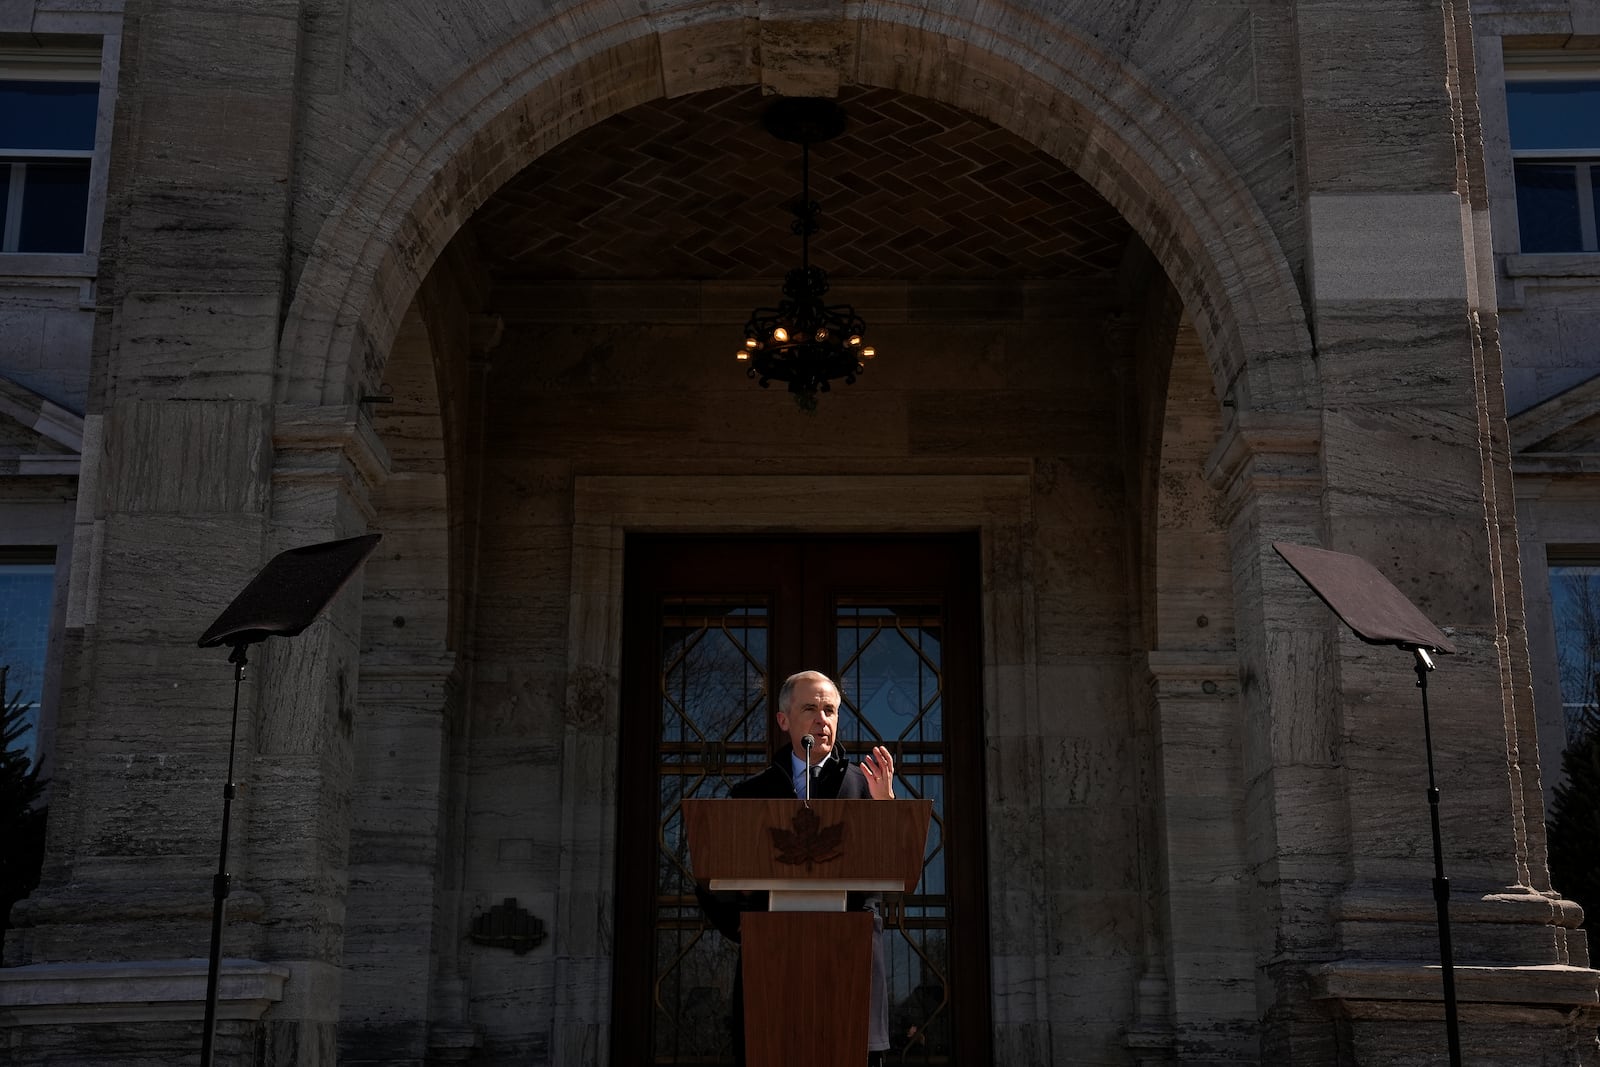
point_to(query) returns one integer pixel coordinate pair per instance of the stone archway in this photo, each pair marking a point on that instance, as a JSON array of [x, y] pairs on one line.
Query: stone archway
[[1097, 117], [1072, 98]]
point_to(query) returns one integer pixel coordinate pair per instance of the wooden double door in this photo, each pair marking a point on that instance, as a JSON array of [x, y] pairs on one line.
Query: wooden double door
[[713, 626]]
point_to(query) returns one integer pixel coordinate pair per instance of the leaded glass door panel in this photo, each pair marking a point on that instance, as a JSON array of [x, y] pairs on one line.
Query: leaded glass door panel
[[713, 628]]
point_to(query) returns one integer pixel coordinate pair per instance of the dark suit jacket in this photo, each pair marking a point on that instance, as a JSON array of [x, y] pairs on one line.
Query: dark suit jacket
[[836, 780]]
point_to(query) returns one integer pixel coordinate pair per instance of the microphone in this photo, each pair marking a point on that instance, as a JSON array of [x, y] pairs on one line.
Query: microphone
[[808, 741]]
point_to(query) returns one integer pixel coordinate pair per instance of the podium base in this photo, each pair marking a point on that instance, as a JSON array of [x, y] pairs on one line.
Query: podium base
[[807, 978]]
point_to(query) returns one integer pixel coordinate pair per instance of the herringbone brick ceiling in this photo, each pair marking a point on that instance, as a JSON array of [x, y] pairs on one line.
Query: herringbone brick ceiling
[[694, 188]]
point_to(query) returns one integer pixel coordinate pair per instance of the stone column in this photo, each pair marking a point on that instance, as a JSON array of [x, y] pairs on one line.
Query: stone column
[[328, 460], [1204, 902], [1295, 822]]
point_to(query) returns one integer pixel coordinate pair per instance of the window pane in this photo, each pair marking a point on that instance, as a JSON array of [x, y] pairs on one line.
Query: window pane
[[1547, 207], [1594, 189], [55, 200], [25, 594], [5, 195], [1554, 115], [1575, 603], [50, 115]]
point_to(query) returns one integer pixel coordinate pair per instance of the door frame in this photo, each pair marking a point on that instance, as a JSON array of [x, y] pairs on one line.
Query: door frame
[[799, 576], [997, 505]]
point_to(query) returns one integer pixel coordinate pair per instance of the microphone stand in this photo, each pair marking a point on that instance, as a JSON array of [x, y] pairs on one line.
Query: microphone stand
[[808, 741], [1441, 884], [220, 884]]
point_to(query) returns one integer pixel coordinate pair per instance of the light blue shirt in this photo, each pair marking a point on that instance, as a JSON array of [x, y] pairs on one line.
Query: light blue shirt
[[797, 767]]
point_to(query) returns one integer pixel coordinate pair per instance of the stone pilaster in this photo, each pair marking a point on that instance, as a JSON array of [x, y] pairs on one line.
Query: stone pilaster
[[328, 461], [1414, 477], [1295, 825], [1210, 964]]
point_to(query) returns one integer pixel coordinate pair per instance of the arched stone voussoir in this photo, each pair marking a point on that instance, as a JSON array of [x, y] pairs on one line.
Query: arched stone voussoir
[[1059, 90]]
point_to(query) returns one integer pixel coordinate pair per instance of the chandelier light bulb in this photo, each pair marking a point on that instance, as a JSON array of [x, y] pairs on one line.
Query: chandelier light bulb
[[822, 335], [869, 352], [780, 335], [855, 340], [750, 342], [741, 355]]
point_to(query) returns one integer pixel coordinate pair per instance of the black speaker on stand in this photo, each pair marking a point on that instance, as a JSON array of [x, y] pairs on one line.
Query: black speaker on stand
[[282, 599], [1380, 614]]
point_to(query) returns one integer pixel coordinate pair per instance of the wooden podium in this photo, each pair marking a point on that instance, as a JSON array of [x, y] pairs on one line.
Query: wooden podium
[[807, 961]]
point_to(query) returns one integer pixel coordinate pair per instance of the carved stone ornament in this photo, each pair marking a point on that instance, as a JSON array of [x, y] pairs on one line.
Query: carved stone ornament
[[508, 926]]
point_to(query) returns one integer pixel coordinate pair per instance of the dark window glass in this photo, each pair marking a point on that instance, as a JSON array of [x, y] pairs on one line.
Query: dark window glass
[[56, 116], [1594, 189], [55, 198], [1575, 602], [25, 594], [1561, 115], [5, 195], [1547, 207]]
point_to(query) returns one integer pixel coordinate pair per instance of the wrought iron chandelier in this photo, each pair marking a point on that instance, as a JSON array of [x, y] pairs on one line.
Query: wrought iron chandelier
[[803, 341]]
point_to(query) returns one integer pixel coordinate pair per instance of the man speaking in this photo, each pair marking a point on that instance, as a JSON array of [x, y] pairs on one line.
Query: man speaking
[[808, 712]]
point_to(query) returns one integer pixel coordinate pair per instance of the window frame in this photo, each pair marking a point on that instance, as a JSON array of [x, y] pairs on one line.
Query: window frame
[[1540, 66], [75, 59], [1558, 558]]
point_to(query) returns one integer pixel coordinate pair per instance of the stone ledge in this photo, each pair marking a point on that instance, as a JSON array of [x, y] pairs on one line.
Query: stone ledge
[[1513, 905], [1553, 265], [1555, 463], [1553, 985], [136, 991]]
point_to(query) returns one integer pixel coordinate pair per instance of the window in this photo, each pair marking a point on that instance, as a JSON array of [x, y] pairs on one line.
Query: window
[[49, 101], [1575, 604], [27, 590], [1554, 114]]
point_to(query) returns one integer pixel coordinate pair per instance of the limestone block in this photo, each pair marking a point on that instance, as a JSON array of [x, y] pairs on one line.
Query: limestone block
[[1035, 424], [45, 337], [1272, 49], [1091, 854], [186, 459], [1387, 246], [1421, 462], [1022, 1040], [88, 996], [1016, 986], [188, 238], [1395, 354], [1073, 693], [1437, 562], [1376, 112], [1211, 951], [1578, 326], [524, 705], [704, 57], [194, 346], [1308, 824], [804, 58], [1202, 841], [396, 815], [764, 424]]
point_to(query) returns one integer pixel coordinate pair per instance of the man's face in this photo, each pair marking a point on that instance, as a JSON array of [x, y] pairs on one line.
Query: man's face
[[814, 710]]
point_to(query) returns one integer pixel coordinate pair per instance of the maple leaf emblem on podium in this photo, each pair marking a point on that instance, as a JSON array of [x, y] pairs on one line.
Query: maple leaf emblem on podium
[[808, 843]]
